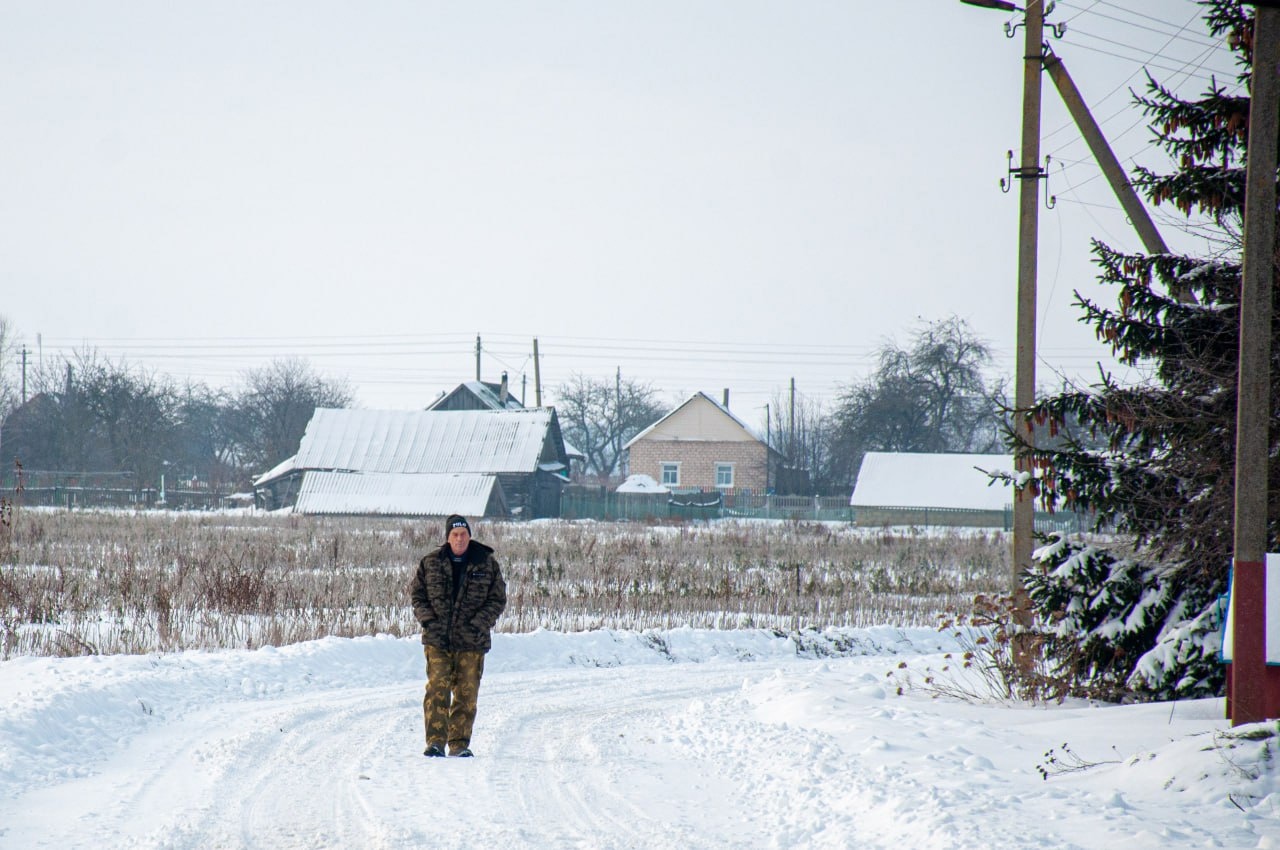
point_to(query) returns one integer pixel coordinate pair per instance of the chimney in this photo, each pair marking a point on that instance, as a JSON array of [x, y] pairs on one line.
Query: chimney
[[726, 398], [502, 390]]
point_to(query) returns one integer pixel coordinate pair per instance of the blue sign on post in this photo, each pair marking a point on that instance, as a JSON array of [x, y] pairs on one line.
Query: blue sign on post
[[1272, 614]]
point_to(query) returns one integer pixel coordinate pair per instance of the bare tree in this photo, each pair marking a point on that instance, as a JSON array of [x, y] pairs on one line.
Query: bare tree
[[275, 404], [10, 368], [206, 441], [599, 416], [929, 397], [131, 414], [93, 415], [799, 430]]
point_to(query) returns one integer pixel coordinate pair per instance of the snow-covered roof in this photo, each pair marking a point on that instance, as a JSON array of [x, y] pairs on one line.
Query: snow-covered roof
[[906, 480], [282, 468], [640, 483], [396, 494], [420, 441]]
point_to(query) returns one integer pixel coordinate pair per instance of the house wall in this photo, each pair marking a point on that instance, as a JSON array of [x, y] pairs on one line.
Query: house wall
[[537, 494], [700, 419], [698, 459], [459, 401]]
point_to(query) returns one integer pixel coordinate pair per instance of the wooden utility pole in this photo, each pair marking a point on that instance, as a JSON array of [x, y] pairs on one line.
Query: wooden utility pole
[[537, 376], [1152, 242], [1111, 168], [1025, 365], [768, 447], [1253, 406], [791, 429]]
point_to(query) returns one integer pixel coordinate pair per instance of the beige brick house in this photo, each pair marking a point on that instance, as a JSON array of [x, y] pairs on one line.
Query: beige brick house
[[702, 446]]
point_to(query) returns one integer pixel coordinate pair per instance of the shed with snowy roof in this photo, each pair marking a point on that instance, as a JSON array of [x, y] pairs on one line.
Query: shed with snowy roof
[[931, 489], [423, 463]]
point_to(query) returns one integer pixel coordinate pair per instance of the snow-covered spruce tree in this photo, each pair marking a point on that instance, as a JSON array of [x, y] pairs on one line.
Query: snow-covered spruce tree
[[1149, 622]]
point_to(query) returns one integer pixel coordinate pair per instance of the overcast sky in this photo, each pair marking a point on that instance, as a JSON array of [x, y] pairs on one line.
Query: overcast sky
[[705, 194]]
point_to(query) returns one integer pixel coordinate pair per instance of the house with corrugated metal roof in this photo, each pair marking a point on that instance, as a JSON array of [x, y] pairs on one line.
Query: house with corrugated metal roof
[[423, 463]]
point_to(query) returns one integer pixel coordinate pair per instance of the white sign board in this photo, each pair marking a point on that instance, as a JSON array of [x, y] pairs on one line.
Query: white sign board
[[1272, 613]]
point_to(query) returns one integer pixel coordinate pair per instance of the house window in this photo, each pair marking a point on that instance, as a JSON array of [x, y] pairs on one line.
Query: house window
[[724, 475], [671, 475]]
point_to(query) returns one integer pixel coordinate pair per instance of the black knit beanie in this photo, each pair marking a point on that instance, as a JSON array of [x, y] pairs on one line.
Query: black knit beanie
[[456, 521]]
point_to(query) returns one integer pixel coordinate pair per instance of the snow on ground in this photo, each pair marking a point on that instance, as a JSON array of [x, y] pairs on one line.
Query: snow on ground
[[678, 739]]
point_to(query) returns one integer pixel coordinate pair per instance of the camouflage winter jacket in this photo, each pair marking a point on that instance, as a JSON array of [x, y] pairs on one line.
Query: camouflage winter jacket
[[463, 624]]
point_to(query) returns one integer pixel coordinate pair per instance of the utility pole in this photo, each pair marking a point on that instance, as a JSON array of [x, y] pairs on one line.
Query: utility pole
[[1024, 379], [1025, 359], [537, 376], [768, 447], [1102, 154], [1133, 207], [24, 374], [791, 429], [1253, 405], [1036, 55]]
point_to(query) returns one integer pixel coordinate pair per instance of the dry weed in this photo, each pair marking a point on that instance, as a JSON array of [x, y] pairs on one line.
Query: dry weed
[[76, 582]]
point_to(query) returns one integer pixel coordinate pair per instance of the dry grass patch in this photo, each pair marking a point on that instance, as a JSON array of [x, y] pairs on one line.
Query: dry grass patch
[[116, 582]]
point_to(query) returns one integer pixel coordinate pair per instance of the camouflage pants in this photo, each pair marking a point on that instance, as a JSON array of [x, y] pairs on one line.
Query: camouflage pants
[[453, 687]]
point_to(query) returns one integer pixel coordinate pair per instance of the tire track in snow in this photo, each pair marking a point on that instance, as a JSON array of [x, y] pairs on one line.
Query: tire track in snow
[[278, 773], [297, 783], [589, 771], [575, 758], [566, 759]]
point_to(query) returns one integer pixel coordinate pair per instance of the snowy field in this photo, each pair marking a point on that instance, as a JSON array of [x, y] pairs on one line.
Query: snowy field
[[676, 739]]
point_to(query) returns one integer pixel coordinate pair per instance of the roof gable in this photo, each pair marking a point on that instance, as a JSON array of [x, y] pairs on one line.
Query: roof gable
[[476, 395], [698, 418]]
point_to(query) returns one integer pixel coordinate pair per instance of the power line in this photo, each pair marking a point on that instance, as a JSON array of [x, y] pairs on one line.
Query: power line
[[1177, 70], [1142, 65], [1180, 33], [674, 362]]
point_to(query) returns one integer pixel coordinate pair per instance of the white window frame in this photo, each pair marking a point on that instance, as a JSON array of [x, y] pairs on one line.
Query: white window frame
[[720, 467], [663, 473]]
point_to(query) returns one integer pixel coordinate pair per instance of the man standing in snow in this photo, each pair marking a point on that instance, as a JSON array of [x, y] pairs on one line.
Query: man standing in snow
[[458, 593]]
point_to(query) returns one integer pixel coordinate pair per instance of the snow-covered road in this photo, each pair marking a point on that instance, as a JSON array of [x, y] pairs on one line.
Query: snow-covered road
[[737, 744]]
